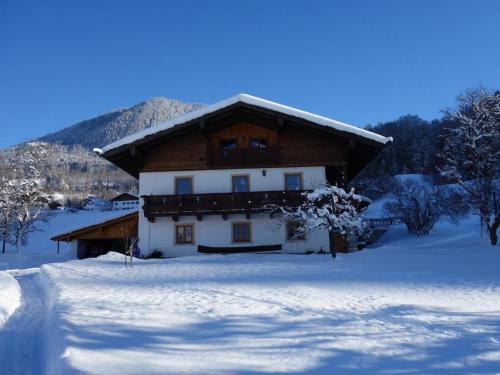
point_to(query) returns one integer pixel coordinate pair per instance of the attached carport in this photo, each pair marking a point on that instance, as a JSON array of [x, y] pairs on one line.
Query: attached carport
[[96, 239]]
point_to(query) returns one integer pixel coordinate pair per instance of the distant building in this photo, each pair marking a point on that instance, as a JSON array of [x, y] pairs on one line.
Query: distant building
[[124, 201], [94, 203]]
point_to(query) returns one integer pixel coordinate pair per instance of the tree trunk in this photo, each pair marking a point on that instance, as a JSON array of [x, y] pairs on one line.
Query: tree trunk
[[493, 231], [3, 246]]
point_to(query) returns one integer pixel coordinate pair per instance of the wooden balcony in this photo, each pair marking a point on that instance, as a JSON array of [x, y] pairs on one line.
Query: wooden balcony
[[216, 203], [258, 157]]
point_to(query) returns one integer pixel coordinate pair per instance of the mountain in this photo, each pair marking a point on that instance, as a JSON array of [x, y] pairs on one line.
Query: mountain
[[104, 129]]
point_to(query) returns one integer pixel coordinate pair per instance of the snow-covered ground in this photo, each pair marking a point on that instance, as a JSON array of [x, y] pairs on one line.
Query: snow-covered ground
[[10, 296], [22, 347], [23, 310], [416, 305], [421, 305]]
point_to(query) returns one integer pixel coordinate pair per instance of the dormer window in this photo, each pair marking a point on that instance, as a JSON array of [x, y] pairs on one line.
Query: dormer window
[[229, 144], [258, 143]]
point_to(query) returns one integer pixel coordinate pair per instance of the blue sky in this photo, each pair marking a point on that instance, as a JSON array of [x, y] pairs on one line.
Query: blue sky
[[355, 61]]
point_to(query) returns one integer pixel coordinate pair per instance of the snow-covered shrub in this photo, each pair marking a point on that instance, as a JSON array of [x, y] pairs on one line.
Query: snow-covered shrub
[[326, 208], [417, 205]]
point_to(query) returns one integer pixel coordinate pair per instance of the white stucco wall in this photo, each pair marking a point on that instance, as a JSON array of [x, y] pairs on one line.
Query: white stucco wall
[[125, 205], [213, 230], [219, 181]]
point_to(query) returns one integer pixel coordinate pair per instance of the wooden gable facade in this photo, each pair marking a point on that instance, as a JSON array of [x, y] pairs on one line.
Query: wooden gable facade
[[246, 136]]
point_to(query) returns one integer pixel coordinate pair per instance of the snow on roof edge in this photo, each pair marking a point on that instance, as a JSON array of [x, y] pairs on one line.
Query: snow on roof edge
[[102, 221], [248, 99], [125, 192]]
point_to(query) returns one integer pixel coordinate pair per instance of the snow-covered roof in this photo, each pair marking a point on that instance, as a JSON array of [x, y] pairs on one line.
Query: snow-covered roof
[[96, 222], [250, 100], [125, 193]]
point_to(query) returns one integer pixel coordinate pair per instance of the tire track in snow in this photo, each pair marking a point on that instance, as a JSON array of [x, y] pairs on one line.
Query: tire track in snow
[[21, 339]]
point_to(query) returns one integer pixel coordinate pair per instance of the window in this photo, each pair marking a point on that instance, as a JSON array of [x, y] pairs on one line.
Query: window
[[184, 233], [292, 231], [229, 144], [183, 185], [258, 143], [241, 232], [241, 184], [293, 181]]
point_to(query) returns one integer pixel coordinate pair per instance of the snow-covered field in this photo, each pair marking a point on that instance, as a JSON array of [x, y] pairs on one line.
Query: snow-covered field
[[10, 296], [416, 305]]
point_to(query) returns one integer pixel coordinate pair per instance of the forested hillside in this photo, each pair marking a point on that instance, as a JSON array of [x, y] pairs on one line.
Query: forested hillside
[[72, 171], [69, 173], [107, 128], [415, 149]]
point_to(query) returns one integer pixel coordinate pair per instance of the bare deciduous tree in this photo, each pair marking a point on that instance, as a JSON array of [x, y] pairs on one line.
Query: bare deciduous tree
[[471, 154]]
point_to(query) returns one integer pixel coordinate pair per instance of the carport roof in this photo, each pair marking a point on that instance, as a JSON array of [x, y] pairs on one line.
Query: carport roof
[[99, 225]]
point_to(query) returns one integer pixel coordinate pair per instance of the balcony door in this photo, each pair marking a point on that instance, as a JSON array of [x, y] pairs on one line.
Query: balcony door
[[241, 184], [183, 185]]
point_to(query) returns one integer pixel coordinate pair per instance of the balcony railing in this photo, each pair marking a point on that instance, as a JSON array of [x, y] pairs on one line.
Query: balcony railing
[[217, 203], [246, 157]]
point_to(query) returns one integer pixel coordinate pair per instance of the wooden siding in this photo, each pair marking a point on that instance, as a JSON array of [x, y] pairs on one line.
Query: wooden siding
[[243, 132], [185, 152], [304, 148], [292, 141], [291, 146]]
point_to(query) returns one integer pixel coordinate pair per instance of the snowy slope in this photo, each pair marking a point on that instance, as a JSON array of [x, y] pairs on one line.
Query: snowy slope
[[10, 296], [424, 305], [108, 127]]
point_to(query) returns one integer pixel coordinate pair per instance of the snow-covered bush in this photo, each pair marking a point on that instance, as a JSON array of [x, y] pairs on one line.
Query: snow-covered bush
[[326, 208], [417, 205], [471, 154]]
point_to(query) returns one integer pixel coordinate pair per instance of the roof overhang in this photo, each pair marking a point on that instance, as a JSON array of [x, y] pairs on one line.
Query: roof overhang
[[85, 229]]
